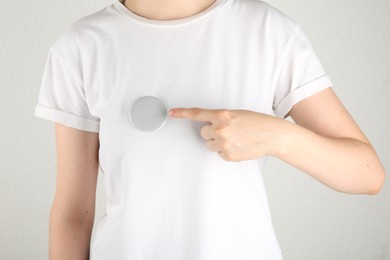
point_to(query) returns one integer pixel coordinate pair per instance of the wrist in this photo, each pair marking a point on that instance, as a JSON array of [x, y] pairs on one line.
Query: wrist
[[287, 137]]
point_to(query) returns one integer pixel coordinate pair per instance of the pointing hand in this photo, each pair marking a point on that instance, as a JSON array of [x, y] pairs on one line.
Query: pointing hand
[[237, 135]]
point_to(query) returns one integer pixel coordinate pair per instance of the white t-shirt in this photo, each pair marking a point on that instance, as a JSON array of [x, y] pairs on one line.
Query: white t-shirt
[[168, 196]]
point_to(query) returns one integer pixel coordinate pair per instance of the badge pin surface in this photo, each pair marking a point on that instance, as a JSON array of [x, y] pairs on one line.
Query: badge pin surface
[[148, 114]]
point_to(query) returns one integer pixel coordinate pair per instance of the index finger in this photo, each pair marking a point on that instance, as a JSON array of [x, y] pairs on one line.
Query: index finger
[[194, 113]]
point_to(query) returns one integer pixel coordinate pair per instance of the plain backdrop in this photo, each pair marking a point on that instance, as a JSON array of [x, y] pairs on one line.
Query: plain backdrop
[[351, 38]]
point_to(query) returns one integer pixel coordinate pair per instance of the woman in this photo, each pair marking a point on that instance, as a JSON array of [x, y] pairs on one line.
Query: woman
[[191, 189]]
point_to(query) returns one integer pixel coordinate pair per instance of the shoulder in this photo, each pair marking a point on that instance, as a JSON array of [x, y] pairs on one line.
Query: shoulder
[[265, 14], [71, 39]]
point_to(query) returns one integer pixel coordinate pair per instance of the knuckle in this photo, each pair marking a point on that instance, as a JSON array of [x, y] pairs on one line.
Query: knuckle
[[224, 115], [220, 130], [195, 112]]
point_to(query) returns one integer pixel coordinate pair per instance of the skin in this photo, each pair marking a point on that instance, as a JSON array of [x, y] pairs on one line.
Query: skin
[[73, 209], [325, 142], [167, 9]]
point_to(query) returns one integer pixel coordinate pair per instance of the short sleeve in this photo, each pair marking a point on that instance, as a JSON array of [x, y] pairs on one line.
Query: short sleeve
[[62, 97], [301, 73]]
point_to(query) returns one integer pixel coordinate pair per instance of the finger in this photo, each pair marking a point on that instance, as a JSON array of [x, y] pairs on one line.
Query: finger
[[222, 155], [228, 157], [194, 113], [212, 146], [207, 133]]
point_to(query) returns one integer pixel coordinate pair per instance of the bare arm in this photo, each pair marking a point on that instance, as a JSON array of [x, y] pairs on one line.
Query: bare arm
[[325, 142], [73, 208]]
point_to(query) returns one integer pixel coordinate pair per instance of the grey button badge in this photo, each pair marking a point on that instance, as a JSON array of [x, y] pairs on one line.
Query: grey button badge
[[148, 114]]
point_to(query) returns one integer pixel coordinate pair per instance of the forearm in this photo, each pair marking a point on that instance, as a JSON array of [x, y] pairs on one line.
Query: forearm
[[69, 237], [343, 164]]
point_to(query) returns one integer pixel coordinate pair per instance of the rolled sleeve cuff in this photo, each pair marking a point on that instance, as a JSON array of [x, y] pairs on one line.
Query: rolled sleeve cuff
[[66, 118], [301, 93]]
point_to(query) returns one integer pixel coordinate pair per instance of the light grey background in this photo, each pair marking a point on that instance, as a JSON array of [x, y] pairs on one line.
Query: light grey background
[[351, 38]]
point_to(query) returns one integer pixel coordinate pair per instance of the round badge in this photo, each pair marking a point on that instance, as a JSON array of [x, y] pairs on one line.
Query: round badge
[[148, 114]]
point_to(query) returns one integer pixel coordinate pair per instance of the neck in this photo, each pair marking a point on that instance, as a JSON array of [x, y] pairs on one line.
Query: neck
[[167, 9]]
